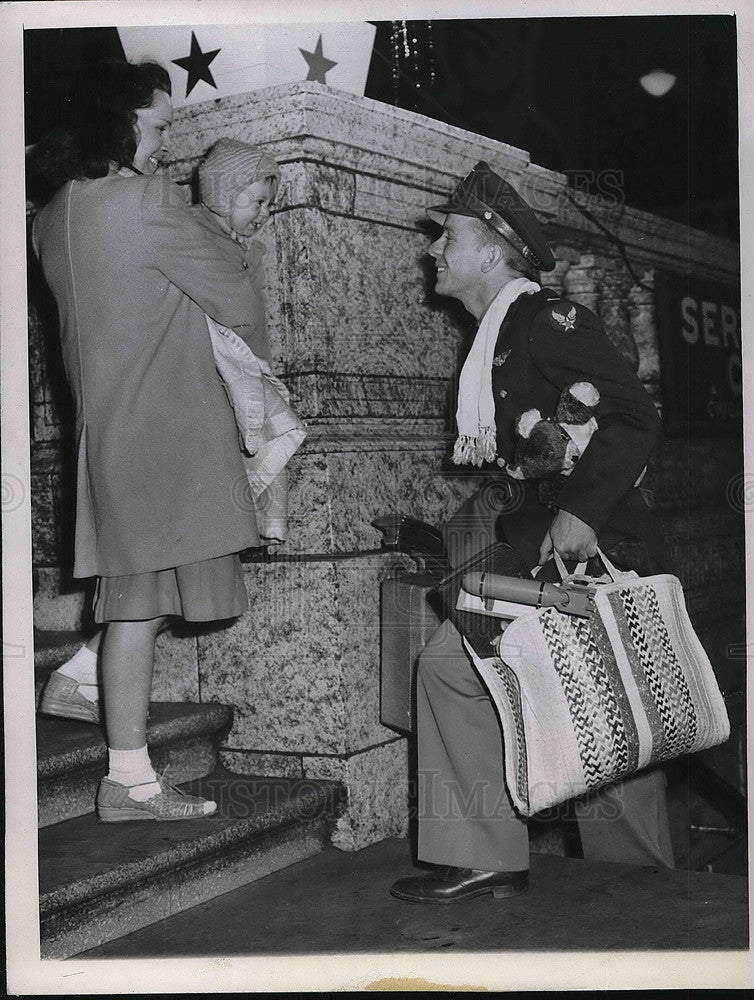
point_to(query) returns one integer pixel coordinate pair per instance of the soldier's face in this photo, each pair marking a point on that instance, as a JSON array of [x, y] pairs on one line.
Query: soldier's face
[[458, 257]]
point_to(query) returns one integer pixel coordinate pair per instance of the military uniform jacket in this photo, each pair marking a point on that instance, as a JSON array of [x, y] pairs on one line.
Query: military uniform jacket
[[546, 344]]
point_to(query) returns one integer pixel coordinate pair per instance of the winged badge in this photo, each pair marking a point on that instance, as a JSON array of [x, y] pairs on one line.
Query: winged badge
[[567, 322]]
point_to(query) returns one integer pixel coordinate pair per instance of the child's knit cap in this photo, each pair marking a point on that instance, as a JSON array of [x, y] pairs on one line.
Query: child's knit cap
[[229, 167]]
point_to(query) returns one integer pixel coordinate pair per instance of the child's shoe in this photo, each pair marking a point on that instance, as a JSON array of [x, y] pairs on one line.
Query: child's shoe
[[115, 805], [61, 697]]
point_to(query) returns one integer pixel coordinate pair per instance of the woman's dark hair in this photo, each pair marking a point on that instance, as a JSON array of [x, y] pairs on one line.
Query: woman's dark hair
[[96, 127]]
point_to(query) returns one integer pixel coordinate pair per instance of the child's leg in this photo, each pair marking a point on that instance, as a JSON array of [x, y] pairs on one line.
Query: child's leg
[[127, 664], [83, 669], [127, 658], [82, 666]]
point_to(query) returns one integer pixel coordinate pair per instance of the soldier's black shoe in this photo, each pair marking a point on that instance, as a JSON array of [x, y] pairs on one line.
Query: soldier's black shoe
[[448, 885]]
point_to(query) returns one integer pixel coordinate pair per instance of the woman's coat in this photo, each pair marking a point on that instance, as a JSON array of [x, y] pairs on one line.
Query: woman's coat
[[160, 477]]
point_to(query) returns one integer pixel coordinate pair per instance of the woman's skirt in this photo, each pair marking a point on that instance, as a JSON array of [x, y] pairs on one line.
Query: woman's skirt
[[202, 591]]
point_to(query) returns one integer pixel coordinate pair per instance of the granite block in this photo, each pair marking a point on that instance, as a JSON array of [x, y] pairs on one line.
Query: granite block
[[380, 198], [176, 668], [297, 300], [379, 311], [61, 603], [359, 611], [45, 425], [271, 765], [614, 316], [371, 484], [614, 311], [335, 395], [651, 240], [376, 783], [309, 504], [304, 116], [43, 529], [641, 312], [278, 665], [301, 668], [357, 298], [39, 380], [312, 184], [550, 839]]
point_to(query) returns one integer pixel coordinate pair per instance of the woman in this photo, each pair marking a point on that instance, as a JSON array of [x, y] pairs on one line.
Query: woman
[[159, 465]]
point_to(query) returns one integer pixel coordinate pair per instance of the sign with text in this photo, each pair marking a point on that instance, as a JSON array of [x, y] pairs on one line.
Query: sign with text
[[699, 333]]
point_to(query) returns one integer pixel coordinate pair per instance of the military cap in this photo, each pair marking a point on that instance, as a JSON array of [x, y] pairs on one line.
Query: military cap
[[484, 195]]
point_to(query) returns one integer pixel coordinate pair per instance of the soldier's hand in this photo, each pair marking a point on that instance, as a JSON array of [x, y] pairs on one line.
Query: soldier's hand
[[571, 538]]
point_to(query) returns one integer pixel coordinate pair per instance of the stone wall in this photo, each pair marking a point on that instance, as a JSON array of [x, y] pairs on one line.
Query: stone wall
[[371, 355]]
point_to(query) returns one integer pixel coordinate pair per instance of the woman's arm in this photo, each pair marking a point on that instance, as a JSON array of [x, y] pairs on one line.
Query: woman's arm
[[182, 250]]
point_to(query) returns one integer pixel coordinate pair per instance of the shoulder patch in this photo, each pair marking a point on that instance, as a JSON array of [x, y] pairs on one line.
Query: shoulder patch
[[564, 317]]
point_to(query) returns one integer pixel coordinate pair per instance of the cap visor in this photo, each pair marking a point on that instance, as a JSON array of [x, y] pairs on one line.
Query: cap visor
[[438, 213]]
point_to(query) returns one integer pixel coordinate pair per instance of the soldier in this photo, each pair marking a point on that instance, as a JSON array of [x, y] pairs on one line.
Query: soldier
[[530, 345]]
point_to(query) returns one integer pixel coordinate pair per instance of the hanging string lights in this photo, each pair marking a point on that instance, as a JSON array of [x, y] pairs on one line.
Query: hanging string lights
[[412, 49]]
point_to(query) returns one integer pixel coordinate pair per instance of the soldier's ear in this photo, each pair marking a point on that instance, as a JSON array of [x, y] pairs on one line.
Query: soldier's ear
[[492, 256]]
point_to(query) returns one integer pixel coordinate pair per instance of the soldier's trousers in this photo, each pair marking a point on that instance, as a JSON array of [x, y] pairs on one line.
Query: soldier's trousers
[[465, 815]]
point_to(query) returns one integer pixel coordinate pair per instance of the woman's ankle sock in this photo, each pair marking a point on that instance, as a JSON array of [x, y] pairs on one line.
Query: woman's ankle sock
[[134, 769]]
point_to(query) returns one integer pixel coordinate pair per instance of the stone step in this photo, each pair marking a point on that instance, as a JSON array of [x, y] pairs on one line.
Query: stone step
[[52, 648], [339, 904], [176, 669], [99, 882], [72, 756]]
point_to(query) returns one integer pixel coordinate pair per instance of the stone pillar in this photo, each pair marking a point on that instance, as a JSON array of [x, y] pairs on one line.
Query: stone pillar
[[643, 330], [556, 279], [583, 279], [614, 311]]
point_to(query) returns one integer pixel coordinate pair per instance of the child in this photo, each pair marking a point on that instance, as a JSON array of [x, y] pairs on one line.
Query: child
[[238, 183]]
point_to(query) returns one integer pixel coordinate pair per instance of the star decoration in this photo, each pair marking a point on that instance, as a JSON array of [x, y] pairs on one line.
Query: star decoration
[[318, 64], [568, 322], [197, 65]]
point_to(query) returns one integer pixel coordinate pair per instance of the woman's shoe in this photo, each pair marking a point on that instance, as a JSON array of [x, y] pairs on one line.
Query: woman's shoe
[[450, 885], [115, 805], [61, 697]]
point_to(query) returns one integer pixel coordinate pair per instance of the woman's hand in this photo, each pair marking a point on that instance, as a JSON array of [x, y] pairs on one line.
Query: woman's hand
[[570, 537]]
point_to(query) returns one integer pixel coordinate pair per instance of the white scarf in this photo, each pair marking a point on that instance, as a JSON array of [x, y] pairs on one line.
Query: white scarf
[[475, 415]]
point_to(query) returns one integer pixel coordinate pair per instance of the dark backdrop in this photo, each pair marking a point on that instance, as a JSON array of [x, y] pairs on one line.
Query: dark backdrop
[[565, 89]]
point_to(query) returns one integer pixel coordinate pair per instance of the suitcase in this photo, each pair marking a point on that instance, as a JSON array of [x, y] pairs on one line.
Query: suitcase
[[406, 623], [414, 605]]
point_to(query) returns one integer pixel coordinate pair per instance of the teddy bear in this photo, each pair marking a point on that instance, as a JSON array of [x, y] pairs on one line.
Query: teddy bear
[[551, 445]]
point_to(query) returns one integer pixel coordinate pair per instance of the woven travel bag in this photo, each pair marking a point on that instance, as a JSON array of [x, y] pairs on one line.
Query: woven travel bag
[[587, 701]]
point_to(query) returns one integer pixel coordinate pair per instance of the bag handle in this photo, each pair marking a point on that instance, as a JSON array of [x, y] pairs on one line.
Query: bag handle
[[562, 569], [615, 574]]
